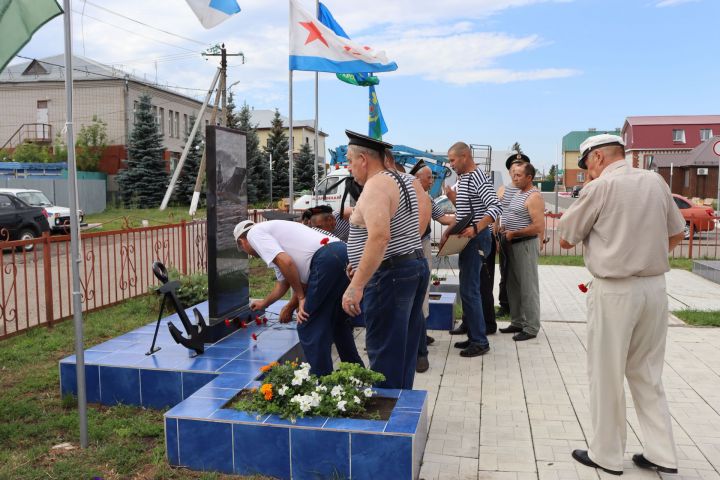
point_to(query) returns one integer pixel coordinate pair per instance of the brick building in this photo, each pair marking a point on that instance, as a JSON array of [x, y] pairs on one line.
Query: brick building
[[694, 173]]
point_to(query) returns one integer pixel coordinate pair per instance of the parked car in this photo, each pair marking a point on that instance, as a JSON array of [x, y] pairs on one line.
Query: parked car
[[576, 191], [20, 221], [702, 218], [58, 217]]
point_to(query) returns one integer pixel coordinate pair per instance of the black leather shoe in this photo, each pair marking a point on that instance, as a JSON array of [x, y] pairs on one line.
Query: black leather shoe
[[491, 330], [582, 457], [642, 462], [519, 337], [464, 344], [429, 340], [460, 330], [474, 350], [422, 365], [511, 329]]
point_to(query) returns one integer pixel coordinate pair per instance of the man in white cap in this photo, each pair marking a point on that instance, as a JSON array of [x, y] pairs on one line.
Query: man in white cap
[[626, 246], [313, 264]]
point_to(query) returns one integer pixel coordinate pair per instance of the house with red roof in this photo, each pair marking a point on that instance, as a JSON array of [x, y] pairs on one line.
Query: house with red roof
[[693, 173], [648, 136]]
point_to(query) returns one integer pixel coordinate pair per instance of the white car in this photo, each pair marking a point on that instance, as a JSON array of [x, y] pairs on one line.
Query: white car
[[58, 217]]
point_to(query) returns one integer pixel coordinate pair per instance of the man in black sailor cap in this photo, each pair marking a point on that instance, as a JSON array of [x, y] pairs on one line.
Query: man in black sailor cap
[[388, 270]]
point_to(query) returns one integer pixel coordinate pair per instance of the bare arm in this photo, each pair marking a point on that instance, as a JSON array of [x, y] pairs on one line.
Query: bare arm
[[450, 193], [536, 208], [675, 240], [424, 206], [279, 289], [447, 219], [288, 269]]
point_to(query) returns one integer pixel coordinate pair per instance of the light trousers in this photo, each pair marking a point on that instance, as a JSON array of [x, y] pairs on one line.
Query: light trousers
[[627, 329], [523, 284]]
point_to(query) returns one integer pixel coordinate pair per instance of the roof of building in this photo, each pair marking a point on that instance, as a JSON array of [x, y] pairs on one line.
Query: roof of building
[[571, 142], [700, 156], [52, 69], [673, 120], [263, 119]]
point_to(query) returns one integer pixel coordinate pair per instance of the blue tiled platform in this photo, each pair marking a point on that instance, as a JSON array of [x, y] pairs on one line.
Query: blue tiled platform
[[202, 434], [442, 312]]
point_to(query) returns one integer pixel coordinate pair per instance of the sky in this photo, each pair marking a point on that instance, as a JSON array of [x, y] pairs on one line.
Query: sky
[[481, 71]]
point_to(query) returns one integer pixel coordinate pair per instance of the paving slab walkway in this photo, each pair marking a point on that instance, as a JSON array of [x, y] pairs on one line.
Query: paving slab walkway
[[518, 412]]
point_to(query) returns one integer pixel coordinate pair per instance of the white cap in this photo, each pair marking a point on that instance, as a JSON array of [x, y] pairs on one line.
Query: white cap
[[242, 228], [594, 142]]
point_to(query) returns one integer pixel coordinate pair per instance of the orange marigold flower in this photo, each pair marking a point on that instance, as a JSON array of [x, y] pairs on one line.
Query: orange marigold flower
[[266, 390]]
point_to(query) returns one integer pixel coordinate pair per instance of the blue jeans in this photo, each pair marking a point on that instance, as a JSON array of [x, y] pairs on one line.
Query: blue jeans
[[470, 264], [328, 322], [392, 306]]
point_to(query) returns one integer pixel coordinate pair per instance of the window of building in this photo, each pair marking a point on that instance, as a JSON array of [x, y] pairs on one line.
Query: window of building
[[648, 160], [162, 120], [185, 121], [177, 124], [705, 134], [170, 123], [581, 177], [679, 135], [686, 183]]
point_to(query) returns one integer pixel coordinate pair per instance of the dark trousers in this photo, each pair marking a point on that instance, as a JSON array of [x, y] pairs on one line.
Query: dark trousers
[[487, 298], [471, 263], [392, 306], [502, 294], [328, 322]]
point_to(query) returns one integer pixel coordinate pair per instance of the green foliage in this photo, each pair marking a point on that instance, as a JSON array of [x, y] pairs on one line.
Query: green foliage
[[90, 145], [552, 173], [278, 147], [185, 186], [31, 153], [706, 318], [59, 150], [5, 155], [193, 289], [290, 391], [304, 174], [257, 163], [145, 179]]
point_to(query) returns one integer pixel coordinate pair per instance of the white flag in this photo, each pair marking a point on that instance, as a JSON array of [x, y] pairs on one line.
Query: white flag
[[213, 12]]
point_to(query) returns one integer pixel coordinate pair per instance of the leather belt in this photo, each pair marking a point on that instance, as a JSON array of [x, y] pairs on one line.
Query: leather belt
[[522, 239], [398, 259]]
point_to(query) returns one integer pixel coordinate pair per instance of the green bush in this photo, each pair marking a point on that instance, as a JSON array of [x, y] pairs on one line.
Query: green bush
[[193, 288], [31, 152]]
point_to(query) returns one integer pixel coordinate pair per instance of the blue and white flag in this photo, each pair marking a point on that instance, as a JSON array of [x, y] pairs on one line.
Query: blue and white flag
[[316, 48], [212, 13]]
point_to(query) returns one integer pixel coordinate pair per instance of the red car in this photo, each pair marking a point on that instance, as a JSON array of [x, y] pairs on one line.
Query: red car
[[701, 217]]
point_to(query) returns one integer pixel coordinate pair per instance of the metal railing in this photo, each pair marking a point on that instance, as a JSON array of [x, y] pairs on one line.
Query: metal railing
[[30, 132]]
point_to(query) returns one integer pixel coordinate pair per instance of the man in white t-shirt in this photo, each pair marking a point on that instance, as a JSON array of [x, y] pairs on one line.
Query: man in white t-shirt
[[313, 264]]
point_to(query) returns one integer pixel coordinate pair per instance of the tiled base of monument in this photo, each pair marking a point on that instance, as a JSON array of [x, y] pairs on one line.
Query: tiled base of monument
[[202, 434]]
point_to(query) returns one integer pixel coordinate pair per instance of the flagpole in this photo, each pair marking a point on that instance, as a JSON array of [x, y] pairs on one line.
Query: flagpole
[[74, 231], [290, 147], [316, 163]]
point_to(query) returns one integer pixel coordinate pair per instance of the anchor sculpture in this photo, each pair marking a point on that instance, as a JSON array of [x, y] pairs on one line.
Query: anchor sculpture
[[198, 333]]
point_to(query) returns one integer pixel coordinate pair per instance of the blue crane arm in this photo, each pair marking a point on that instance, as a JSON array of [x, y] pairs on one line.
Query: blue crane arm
[[407, 156]]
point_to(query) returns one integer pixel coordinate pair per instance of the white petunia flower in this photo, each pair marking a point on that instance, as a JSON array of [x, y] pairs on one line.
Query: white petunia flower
[[341, 405], [337, 391], [321, 388], [368, 392], [356, 399], [282, 390]]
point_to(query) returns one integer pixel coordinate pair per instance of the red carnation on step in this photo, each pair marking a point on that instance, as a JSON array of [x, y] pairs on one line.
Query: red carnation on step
[[258, 321], [227, 322], [254, 337], [583, 288], [324, 241], [264, 319], [243, 325]]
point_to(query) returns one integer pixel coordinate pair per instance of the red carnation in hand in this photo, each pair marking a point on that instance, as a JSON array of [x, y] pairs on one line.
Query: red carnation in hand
[[254, 337], [264, 319], [243, 325], [436, 282], [227, 322], [258, 321], [324, 241], [583, 288]]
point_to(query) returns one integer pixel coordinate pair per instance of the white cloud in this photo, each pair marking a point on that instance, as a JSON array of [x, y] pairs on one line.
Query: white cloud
[[672, 3]]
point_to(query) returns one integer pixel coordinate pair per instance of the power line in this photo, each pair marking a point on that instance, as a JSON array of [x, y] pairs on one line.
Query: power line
[[135, 33], [145, 24]]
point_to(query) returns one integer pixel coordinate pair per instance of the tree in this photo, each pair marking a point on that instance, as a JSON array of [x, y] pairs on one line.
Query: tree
[[145, 179], [90, 145], [31, 153], [231, 118], [304, 174], [59, 149], [258, 185], [185, 186], [278, 147], [552, 173], [516, 148]]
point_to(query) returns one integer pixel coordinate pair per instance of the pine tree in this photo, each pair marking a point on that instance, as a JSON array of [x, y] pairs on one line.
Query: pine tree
[[145, 179], [257, 163], [185, 186], [231, 118], [278, 147], [304, 175], [550, 177]]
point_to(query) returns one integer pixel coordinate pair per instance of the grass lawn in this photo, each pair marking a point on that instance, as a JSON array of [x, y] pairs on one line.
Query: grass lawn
[[125, 442], [699, 317], [114, 218], [577, 261]]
